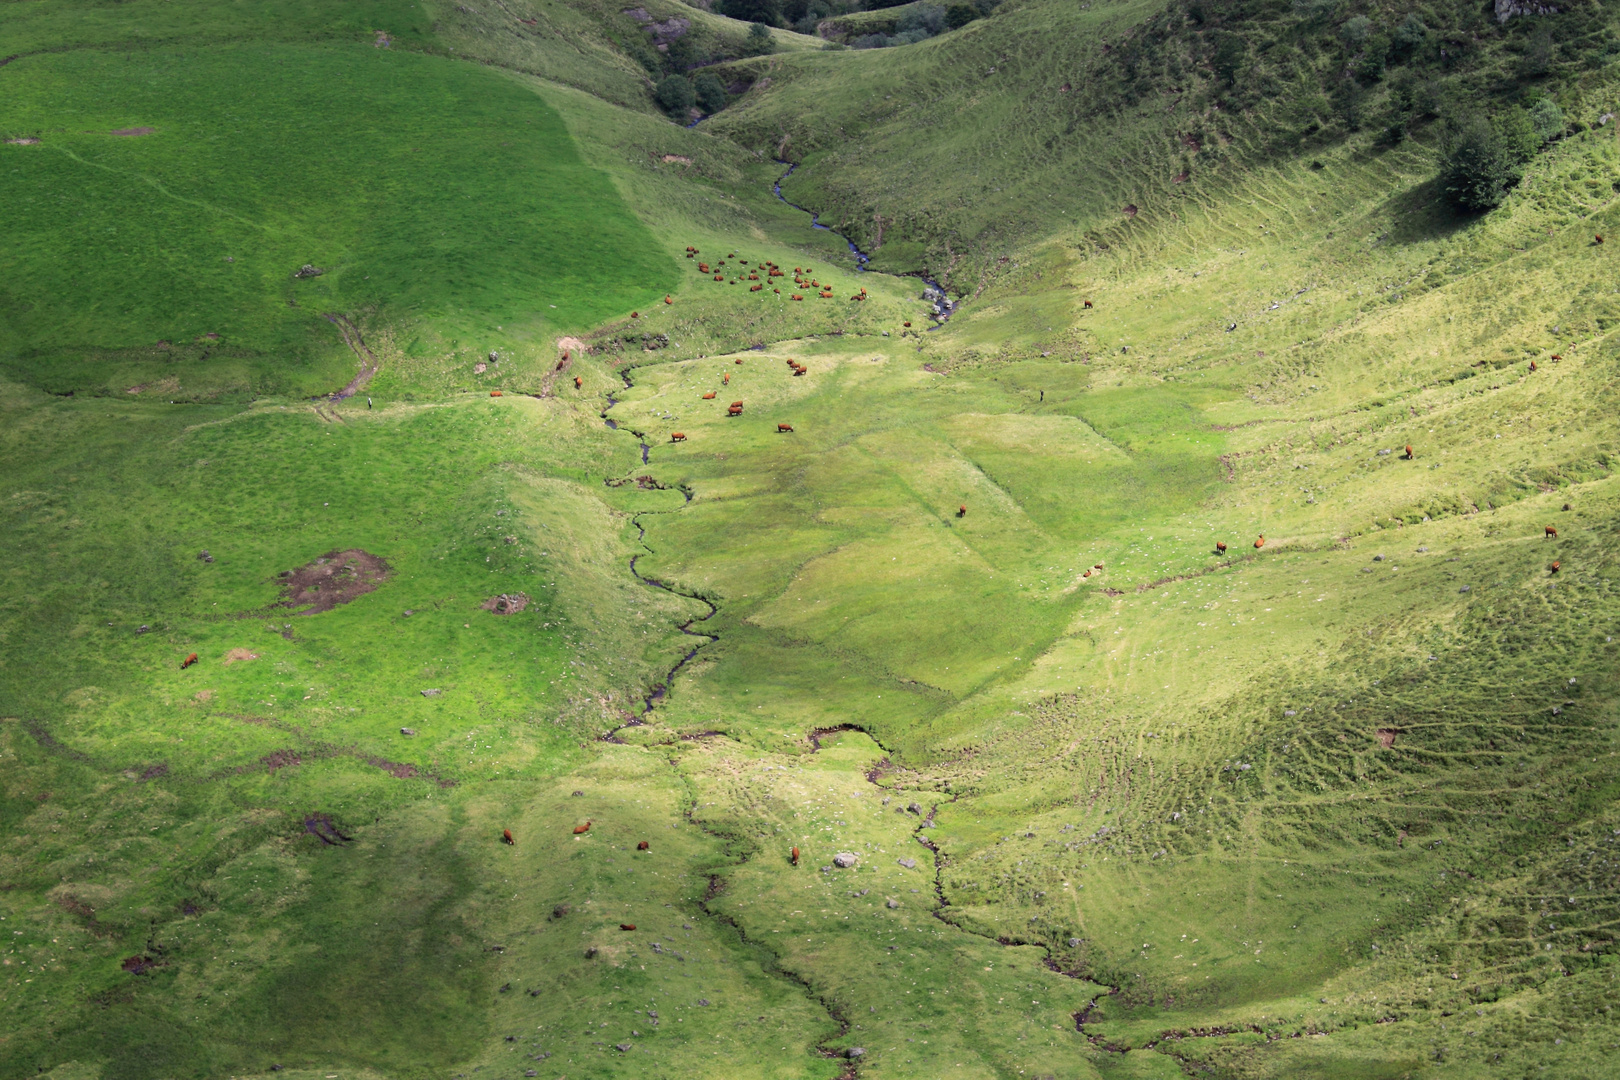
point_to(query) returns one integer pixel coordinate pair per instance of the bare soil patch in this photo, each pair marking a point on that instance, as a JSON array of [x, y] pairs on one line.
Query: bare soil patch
[[506, 603], [135, 132], [281, 759], [1386, 737], [238, 654], [335, 578], [26, 141], [399, 769]]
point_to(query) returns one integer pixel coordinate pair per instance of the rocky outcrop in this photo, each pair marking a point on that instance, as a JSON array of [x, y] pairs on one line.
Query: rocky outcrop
[[1506, 9]]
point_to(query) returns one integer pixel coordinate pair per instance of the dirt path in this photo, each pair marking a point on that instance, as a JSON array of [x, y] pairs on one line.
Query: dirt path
[[368, 360]]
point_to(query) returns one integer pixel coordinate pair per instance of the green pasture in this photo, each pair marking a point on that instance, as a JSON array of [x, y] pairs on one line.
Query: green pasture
[[458, 203], [1337, 805]]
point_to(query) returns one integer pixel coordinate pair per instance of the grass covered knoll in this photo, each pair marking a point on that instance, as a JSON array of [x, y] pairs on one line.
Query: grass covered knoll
[[460, 203]]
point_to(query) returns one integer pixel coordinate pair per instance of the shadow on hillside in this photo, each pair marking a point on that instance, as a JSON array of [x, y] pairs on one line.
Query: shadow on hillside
[[1422, 213]]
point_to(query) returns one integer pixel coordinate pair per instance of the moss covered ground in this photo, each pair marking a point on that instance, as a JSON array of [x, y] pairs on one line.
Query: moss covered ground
[[957, 746]]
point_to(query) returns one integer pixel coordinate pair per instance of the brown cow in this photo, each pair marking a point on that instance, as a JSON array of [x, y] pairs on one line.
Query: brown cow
[[1555, 356], [677, 436], [1097, 567], [578, 382], [1086, 574], [643, 846], [635, 314], [961, 511], [1220, 547], [734, 410], [627, 926], [1088, 304], [907, 323], [799, 371], [494, 393], [1598, 238], [796, 296], [738, 362], [719, 277], [795, 856], [726, 379], [188, 661], [506, 836], [1532, 365], [1553, 569], [1408, 451], [784, 427], [1550, 534], [667, 300], [1260, 542], [580, 829], [709, 396], [755, 288]]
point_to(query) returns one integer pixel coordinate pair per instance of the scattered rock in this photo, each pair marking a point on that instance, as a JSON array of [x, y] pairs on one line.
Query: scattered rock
[[703, 1001], [143, 629], [432, 692], [892, 903], [622, 1047], [1074, 943], [590, 953], [204, 556], [855, 1052], [407, 731], [909, 864], [844, 860], [560, 910], [480, 368], [578, 793], [915, 808], [308, 271]]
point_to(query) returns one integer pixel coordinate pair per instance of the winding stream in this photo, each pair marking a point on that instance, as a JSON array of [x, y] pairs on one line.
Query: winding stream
[[934, 293]]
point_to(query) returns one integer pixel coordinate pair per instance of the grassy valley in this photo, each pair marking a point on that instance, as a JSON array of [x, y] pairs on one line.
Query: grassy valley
[[1193, 656]]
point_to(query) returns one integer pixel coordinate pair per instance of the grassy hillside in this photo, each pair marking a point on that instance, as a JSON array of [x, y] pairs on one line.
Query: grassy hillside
[[968, 728]]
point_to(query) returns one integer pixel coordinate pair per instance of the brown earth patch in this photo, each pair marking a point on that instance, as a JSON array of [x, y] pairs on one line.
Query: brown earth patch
[[676, 159], [570, 345], [335, 578], [281, 759], [240, 654], [203, 696], [27, 141], [1386, 737], [139, 965], [394, 768], [506, 603], [1130, 210], [133, 133]]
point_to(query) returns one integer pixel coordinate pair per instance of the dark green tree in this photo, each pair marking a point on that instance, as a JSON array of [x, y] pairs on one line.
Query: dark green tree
[[1230, 53], [1484, 160], [675, 95], [768, 12], [711, 93], [959, 15], [760, 42]]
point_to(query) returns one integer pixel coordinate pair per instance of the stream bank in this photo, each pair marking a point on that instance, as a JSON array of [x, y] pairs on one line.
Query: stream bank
[[933, 292]]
